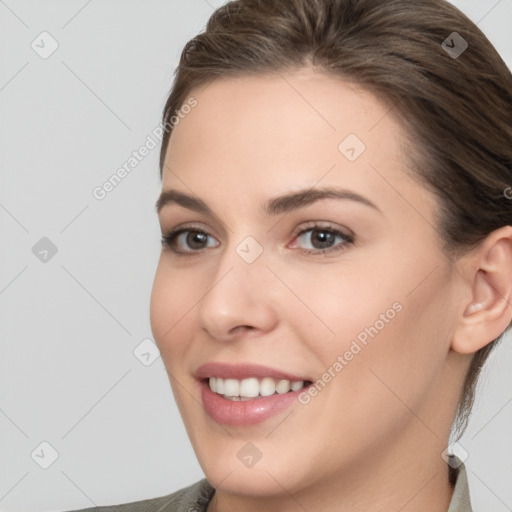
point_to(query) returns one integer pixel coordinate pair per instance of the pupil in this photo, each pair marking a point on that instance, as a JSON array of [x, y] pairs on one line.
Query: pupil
[[196, 237], [325, 237]]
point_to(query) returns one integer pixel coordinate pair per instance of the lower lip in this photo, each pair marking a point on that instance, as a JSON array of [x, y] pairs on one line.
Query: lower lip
[[247, 412]]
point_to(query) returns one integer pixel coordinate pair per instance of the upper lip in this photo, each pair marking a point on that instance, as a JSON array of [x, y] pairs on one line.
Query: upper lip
[[242, 371]]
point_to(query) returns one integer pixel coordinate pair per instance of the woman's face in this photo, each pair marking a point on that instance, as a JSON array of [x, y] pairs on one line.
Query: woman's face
[[368, 322]]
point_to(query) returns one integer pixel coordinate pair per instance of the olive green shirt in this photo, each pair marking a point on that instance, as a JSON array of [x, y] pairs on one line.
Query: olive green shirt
[[195, 498]]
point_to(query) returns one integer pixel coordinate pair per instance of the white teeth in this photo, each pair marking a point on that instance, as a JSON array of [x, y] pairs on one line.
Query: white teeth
[[252, 387], [267, 386], [283, 386], [219, 385], [249, 388], [231, 387], [297, 385]]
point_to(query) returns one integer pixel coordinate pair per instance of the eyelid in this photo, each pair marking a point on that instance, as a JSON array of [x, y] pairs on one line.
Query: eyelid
[[327, 225]]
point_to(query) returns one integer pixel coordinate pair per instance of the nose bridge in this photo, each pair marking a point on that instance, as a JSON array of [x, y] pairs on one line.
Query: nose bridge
[[239, 271], [242, 260], [237, 294]]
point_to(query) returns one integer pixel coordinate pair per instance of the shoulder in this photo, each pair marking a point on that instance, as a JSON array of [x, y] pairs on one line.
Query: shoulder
[[194, 497]]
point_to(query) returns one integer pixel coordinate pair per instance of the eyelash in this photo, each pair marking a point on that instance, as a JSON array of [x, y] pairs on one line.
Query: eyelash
[[169, 239]]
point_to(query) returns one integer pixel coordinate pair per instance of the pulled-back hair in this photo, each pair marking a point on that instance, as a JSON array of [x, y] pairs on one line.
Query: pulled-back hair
[[456, 109]]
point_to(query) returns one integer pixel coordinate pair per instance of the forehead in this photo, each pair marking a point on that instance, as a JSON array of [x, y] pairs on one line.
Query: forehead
[[283, 131], [274, 108]]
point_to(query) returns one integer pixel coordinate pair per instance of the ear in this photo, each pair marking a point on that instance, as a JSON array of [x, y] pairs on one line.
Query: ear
[[487, 311]]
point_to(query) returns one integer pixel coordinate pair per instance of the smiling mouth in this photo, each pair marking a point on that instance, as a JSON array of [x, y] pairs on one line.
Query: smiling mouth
[[253, 388]]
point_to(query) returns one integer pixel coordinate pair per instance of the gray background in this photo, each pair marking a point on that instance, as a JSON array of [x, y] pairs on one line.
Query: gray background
[[69, 326]]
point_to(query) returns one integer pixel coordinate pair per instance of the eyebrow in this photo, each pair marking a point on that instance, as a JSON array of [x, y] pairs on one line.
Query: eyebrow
[[275, 206]]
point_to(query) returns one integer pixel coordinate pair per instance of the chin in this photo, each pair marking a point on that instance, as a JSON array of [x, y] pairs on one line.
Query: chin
[[259, 481]]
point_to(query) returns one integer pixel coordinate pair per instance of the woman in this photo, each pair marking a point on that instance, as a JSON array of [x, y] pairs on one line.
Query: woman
[[337, 252]]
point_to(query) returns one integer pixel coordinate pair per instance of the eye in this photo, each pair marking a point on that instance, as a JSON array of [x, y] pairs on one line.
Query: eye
[[194, 238], [322, 239], [189, 241]]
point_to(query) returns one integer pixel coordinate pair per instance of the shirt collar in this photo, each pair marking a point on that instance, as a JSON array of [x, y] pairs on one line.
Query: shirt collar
[[461, 501]]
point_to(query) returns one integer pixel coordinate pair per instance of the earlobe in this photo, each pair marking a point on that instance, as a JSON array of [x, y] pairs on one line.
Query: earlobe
[[488, 274]]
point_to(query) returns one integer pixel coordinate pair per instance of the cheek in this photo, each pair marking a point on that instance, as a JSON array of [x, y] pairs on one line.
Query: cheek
[[172, 300], [391, 321], [338, 308], [404, 356], [384, 359]]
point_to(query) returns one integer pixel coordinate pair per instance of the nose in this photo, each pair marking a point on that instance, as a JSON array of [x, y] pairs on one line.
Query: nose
[[238, 299]]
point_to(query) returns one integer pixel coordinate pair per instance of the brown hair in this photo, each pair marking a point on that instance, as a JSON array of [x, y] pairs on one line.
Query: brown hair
[[457, 109]]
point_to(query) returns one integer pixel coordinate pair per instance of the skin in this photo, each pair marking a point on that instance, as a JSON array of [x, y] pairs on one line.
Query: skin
[[372, 439]]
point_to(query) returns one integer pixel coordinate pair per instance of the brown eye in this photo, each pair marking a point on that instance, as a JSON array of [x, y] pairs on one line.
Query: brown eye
[[193, 241], [323, 239]]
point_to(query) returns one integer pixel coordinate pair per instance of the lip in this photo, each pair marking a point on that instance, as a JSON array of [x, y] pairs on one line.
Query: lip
[[243, 371], [248, 412]]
